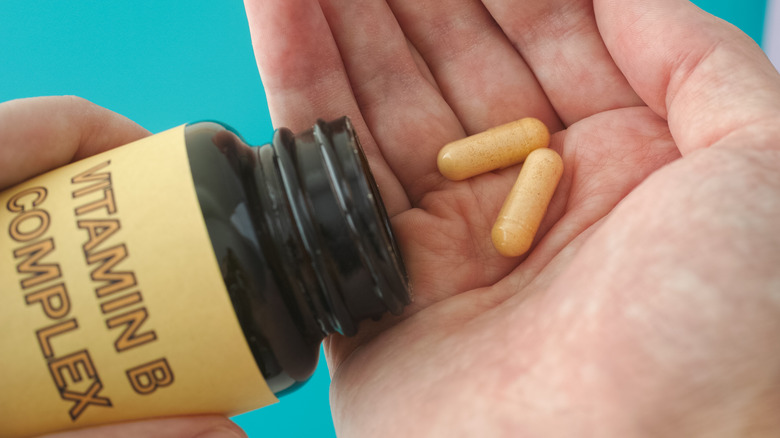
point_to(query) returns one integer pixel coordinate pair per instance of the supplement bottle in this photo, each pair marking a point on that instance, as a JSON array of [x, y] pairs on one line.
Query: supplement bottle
[[187, 273]]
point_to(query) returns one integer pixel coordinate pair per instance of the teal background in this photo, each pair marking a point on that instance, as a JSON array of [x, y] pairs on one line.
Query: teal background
[[163, 63], [748, 15]]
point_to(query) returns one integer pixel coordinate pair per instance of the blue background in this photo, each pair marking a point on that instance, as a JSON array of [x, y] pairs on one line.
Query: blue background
[[163, 63]]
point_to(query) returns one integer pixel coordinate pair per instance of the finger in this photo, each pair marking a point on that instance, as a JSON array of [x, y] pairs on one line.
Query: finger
[[299, 63], [406, 114], [561, 43], [479, 72], [304, 78], [43, 133], [706, 77], [206, 426]]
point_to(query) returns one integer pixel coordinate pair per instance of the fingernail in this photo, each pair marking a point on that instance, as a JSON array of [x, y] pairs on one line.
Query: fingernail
[[222, 432]]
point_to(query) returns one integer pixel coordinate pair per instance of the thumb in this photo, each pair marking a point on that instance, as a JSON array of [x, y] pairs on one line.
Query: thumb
[[707, 78], [42, 133]]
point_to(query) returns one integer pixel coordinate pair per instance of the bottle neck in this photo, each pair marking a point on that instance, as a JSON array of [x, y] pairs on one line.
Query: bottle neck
[[342, 261]]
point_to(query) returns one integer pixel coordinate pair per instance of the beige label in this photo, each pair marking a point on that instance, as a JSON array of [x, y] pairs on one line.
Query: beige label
[[112, 306]]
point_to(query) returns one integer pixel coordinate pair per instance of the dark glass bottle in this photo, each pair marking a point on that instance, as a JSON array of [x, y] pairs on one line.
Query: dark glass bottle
[[302, 239]]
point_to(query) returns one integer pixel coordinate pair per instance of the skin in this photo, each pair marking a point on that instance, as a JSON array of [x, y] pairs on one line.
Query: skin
[[650, 303]]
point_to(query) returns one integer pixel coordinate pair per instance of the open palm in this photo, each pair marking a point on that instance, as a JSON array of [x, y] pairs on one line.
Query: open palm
[[622, 317]]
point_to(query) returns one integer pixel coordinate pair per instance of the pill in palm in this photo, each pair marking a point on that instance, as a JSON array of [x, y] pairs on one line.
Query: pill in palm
[[496, 148], [523, 210]]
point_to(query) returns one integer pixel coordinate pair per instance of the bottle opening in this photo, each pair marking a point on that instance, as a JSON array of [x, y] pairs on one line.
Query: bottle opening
[[344, 224]]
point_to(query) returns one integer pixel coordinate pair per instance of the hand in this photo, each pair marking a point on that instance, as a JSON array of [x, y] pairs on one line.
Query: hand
[[650, 304], [40, 134]]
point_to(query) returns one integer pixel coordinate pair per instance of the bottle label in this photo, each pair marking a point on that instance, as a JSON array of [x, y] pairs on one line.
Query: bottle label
[[112, 305]]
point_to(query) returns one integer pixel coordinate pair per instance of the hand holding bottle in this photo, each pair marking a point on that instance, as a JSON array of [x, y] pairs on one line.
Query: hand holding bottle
[[44, 133]]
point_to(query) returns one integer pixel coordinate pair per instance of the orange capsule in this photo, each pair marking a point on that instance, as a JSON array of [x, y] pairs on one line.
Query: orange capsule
[[496, 148], [523, 210]]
